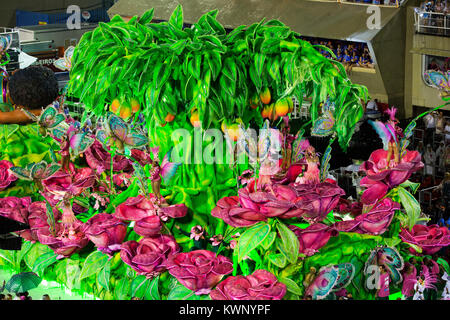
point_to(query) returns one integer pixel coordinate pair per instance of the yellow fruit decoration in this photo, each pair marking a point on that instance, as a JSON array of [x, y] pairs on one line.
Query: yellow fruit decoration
[[282, 107], [135, 106], [170, 117], [195, 120], [265, 96], [254, 101], [115, 106]]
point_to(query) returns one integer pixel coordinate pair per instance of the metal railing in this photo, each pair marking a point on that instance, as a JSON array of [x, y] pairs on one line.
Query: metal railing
[[435, 23], [387, 3]]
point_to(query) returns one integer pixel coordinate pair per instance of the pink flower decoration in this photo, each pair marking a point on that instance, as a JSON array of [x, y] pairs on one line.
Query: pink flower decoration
[[313, 237], [6, 177], [63, 245], [430, 238], [317, 200], [148, 256], [261, 285], [148, 226], [375, 222], [15, 208], [106, 232], [199, 270], [394, 175], [135, 209], [99, 159]]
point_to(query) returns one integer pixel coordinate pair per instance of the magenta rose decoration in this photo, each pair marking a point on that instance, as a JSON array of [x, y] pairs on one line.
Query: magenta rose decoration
[[173, 211], [64, 244], [99, 159], [313, 237], [148, 256], [15, 208], [37, 219], [135, 209], [375, 191], [106, 232], [199, 270], [392, 175], [430, 238], [229, 210], [148, 226], [6, 177], [62, 182], [252, 206], [374, 222], [261, 285], [317, 200]]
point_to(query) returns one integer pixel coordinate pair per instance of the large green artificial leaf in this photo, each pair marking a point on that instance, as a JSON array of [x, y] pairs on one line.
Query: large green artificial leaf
[[43, 262], [142, 287], [93, 264], [251, 239], [291, 286], [411, 205], [289, 242], [122, 289], [34, 253], [104, 275], [180, 292]]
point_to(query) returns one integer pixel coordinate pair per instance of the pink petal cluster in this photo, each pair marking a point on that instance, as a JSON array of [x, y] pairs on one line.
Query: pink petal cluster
[[199, 270], [380, 177], [313, 237], [6, 177], [106, 232], [252, 206], [149, 256], [147, 214], [261, 285], [430, 238], [374, 222], [63, 245], [15, 208], [317, 200]]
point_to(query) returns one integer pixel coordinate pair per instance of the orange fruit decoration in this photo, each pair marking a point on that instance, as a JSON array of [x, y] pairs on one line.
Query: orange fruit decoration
[[195, 120], [170, 117], [254, 102], [282, 107], [265, 96], [115, 106], [135, 107]]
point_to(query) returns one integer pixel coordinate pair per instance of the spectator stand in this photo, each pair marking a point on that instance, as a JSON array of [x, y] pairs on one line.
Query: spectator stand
[[432, 18], [382, 3]]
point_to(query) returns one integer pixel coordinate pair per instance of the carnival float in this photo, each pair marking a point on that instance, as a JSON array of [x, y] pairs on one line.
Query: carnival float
[[171, 168]]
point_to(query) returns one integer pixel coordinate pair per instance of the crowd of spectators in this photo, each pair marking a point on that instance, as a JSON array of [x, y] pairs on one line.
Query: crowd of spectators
[[432, 141], [349, 53], [439, 64], [434, 17], [378, 2]]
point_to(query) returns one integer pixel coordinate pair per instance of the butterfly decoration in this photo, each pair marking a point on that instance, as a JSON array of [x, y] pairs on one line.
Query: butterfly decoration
[[36, 172], [50, 218], [331, 279], [50, 118], [168, 169], [264, 148], [325, 163], [65, 63], [299, 146], [390, 259], [439, 80], [120, 134], [5, 42], [323, 283], [324, 125], [79, 142]]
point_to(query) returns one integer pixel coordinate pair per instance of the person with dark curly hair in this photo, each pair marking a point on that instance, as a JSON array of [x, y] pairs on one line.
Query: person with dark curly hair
[[32, 88]]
